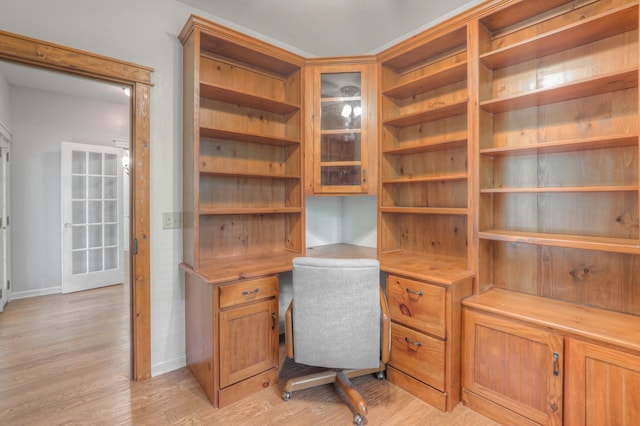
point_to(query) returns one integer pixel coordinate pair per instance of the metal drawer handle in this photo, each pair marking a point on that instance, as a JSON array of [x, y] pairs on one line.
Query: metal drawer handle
[[411, 342], [555, 364], [417, 293], [248, 292]]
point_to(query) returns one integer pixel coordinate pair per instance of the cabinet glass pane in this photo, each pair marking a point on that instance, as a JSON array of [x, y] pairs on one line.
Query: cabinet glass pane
[[95, 260], [79, 237], [111, 187], [342, 147], [110, 211], [338, 115], [78, 162], [340, 175], [110, 258], [79, 262], [95, 187], [95, 163], [78, 187], [110, 165], [95, 236], [340, 84], [111, 234], [95, 211], [78, 212]]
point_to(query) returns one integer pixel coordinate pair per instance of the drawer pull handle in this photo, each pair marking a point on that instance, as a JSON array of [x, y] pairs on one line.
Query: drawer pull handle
[[555, 364], [411, 342], [417, 293], [249, 292]]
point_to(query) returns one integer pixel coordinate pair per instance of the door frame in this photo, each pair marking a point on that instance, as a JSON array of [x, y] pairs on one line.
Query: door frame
[[42, 54]]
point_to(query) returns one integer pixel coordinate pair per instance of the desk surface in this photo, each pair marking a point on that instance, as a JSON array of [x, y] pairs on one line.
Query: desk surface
[[439, 269]]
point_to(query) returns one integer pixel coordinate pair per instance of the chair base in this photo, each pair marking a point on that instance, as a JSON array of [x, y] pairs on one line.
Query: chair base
[[341, 378]]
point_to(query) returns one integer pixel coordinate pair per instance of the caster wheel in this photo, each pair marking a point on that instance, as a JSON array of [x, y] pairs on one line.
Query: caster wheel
[[380, 375], [358, 420], [286, 395]]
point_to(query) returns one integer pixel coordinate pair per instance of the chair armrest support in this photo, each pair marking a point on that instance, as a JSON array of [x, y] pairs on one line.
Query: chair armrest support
[[385, 344], [288, 333]]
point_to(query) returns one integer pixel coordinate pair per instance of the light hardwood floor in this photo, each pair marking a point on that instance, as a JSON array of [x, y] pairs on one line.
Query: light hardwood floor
[[64, 359]]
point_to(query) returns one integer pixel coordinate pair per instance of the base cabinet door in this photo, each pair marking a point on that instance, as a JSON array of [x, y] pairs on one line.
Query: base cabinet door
[[512, 372], [602, 387], [248, 341]]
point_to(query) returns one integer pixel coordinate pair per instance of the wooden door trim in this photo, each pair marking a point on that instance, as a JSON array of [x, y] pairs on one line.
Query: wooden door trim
[[45, 55]]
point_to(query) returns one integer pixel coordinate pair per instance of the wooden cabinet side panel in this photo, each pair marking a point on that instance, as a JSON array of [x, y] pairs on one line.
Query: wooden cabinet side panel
[[602, 385], [201, 339]]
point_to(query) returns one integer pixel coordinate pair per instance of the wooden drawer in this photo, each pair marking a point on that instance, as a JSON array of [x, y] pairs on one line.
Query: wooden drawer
[[248, 291], [418, 355], [417, 304]]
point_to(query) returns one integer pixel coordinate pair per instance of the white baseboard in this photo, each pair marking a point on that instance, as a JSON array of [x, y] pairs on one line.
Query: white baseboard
[[165, 367], [33, 293]]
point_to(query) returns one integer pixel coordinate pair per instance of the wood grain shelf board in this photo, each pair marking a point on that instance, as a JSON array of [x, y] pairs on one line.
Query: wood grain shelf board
[[451, 41], [615, 245], [444, 77], [223, 94], [248, 211], [426, 179], [426, 210], [616, 21], [232, 268], [232, 174], [439, 269], [578, 89], [339, 163], [208, 132], [609, 327], [518, 12], [415, 148], [243, 51], [611, 141], [621, 188], [433, 114]]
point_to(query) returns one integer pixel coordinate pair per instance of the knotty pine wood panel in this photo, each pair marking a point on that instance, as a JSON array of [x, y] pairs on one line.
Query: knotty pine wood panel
[[444, 162], [236, 118], [600, 279], [217, 192], [221, 156], [425, 194], [422, 136], [549, 22], [241, 78], [437, 98], [438, 234], [599, 58], [244, 235]]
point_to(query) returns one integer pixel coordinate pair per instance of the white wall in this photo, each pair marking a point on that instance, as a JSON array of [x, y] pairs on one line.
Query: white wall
[[40, 121], [5, 116], [350, 219]]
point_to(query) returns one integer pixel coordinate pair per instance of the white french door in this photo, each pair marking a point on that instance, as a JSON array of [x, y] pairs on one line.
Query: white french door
[[92, 254]]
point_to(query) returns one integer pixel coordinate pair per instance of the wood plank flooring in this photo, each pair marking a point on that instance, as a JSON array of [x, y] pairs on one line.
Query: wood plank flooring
[[64, 359]]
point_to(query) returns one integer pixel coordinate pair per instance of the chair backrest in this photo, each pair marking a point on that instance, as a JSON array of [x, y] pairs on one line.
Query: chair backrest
[[336, 312]]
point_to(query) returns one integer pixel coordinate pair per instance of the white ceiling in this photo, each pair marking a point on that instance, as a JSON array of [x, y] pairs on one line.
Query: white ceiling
[[326, 28]]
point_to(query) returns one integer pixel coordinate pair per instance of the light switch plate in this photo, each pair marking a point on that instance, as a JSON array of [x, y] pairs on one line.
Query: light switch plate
[[171, 220]]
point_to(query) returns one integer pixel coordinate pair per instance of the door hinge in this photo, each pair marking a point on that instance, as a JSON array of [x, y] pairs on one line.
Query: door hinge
[[8, 221], [8, 284], [135, 246], [7, 157]]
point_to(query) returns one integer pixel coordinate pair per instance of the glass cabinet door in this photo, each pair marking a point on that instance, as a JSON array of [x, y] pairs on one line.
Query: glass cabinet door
[[339, 157]]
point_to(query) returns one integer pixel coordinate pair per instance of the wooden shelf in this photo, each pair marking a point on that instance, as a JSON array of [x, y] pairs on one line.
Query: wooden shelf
[[246, 99], [616, 21], [246, 137], [426, 116], [425, 179], [616, 245], [435, 268], [416, 148], [621, 188], [425, 210], [602, 142], [578, 89], [248, 210], [232, 268], [614, 328], [246, 175], [421, 52], [521, 12], [425, 83]]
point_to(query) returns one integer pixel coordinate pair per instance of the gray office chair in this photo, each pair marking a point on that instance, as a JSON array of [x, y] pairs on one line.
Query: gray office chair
[[338, 319]]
